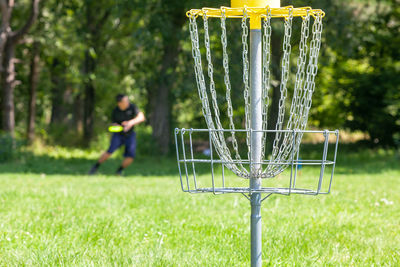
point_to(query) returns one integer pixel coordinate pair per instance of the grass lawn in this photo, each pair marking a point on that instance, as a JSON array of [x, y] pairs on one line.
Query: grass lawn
[[51, 213]]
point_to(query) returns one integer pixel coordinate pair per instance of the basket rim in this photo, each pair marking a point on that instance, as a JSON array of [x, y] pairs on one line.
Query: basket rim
[[261, 12]]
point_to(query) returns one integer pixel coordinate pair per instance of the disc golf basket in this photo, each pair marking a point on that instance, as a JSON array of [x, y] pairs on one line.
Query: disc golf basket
[[243, 150]]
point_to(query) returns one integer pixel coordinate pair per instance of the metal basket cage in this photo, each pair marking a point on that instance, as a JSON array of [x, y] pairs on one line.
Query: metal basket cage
[[220, 180]]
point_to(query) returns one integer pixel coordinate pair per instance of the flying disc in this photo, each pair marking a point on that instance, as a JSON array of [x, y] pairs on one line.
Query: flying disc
[[115, 129]]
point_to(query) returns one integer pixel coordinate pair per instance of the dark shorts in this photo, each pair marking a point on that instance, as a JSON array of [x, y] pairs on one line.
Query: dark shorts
[[128, 140]]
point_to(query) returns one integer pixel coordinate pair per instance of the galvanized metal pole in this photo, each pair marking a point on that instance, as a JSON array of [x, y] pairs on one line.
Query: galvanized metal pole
[[256, 139]]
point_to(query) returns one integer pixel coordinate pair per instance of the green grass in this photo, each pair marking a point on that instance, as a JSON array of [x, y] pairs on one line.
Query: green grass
[[51, 213]]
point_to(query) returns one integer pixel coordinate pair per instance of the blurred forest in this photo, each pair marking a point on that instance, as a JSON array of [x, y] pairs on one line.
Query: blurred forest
[[62, 63]]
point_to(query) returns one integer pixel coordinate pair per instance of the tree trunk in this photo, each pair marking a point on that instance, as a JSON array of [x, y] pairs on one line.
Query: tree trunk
[[89, 98], [8, 83], [8, 41], [78, 114], [58, 109], [160, 119], [93, 28], [5, 30], [33, 81]]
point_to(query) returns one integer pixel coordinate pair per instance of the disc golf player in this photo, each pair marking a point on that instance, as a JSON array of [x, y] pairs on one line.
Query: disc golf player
[[124, 118]]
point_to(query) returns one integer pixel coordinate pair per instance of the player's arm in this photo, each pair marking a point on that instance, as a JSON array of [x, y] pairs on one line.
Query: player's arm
[[138, 119], [135, 121]]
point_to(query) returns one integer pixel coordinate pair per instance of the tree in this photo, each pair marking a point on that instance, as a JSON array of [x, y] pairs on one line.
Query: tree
[[9, 39], [374, 75], [33, 82], [166, 23], [169, 21], [99, 26], [62, 54]]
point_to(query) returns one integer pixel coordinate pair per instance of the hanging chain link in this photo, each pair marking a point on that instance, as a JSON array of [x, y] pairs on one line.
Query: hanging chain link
[[198, 69], [218, 137], [302, 106], [225, 63], [283, 86], [312, 67], [266, 77], [246, 92], [294, 118], [301, 63]]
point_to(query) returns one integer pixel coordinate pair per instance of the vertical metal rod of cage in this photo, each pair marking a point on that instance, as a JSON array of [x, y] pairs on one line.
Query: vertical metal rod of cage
[[256, 143]]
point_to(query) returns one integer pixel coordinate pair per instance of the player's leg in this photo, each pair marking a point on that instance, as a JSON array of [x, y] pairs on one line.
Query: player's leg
[[116, 142], [130, 152], [126, 162], [104, 157]]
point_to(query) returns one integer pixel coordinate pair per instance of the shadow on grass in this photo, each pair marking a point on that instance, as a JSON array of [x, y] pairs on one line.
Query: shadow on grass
[[351, 159], [27, 162]]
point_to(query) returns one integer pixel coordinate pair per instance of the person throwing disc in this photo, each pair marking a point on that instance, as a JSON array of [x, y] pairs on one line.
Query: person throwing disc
[[124, 118]]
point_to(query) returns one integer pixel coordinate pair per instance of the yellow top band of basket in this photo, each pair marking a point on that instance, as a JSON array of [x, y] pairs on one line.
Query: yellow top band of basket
[[255, 14], [256, 3]]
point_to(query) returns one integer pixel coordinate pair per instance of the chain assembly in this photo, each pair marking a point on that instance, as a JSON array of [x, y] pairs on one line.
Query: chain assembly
[[285, 143]]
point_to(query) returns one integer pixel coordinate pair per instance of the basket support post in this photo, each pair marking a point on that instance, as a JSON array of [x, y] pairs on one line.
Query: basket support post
[[255, 143]]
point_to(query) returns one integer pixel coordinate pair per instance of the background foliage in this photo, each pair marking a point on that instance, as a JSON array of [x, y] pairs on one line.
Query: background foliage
[[91, 50]]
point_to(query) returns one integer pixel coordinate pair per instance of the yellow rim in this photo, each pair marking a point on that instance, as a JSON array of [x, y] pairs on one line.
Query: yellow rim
[[260, 12]]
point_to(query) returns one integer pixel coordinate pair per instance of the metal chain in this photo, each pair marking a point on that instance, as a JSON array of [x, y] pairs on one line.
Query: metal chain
[[294, 118], [266, 77], [246, 94], [303, 106], [301, 63], [312, 67], [198, 69], [302, 97], [225, 63], [312, 70], [221, 148], [283, 85], [218, 137]]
